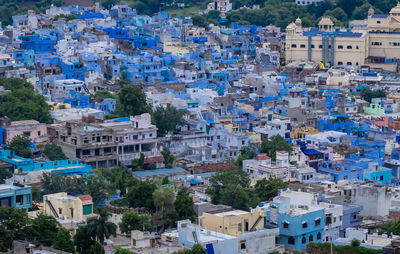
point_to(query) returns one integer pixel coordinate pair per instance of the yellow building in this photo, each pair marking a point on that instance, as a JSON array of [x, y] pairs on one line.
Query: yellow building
[[234, 222], [301, 132], [377, 47]]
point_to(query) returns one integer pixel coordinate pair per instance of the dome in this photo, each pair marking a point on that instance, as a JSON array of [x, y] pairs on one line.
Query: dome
[[325, 22], [298, 22]]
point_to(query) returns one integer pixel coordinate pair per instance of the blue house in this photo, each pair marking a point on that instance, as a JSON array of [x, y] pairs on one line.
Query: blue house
[[37, 43], [15, 195], [298, 226], [74, 70]]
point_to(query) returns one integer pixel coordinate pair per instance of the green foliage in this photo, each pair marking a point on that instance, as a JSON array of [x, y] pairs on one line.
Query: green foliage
[[4, 174], [355, 242], [54, 152], [14, 224], [230, 188], [120, 250], [184, 206], [246, 153], [103, 94], [47, 228], [101, 228], [63, 241], [117, 179], [368, 94], [390, 227], [266, 189], [163, 199], [83, 240], [107, 4], [21, 146], [196, 249], [22, 103], [66, 17], [132, 220], [132, 101], [138, 164], [325, 248], [123, 79], [169, 158], [93, 185], [141, 194], [167, 119], [165, 180], [96, 248], [276, 143], [37, 194]]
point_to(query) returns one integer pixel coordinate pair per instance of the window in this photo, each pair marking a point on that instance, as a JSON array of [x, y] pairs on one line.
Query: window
[[294, 46], [349, 63], [378, 22], [334, 219], [320, 46], [304, 225], [340, 218], [340, 47], [20, 199], [285, 225], [240, 227], [318, 222], [310, 238], [302, 46], [303, 240], [340, 63], [319, 236], [312, 46], [242, 245], [60, 210], [349, 47], [291, 240], [357, 47]]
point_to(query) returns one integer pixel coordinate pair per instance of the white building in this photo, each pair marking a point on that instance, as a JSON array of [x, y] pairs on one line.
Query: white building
[[307, 2]]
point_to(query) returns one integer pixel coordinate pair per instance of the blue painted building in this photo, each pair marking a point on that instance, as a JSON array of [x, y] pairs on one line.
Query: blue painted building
[[37, 44], [15, 195]]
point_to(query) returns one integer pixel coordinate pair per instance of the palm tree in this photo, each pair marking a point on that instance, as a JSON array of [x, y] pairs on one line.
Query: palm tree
[[101, 227]]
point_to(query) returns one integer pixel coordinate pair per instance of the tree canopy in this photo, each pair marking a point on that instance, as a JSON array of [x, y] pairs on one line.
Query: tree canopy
[[133, 101], [21, 146], [54, 152], [132, 220], [368, 94], [184, 206], [167, 119], [276, 143], [22, 102]]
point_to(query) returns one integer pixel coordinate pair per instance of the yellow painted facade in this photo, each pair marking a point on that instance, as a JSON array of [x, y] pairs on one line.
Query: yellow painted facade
[[234, 222]]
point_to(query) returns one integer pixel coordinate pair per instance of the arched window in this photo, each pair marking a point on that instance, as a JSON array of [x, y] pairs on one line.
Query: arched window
[[319, 236], [310, 238], [291, 240], [303, 240]]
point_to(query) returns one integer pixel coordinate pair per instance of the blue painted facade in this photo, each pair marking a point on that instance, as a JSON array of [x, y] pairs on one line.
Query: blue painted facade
[[36, 43], [15, 195]]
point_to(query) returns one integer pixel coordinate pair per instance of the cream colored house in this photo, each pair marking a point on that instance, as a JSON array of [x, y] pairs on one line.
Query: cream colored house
[[234, 222], [68, 210], [377, 47]]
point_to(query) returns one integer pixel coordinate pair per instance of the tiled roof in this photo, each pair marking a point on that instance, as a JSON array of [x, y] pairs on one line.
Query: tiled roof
[[154, 159], [85, 197], [215, 167]]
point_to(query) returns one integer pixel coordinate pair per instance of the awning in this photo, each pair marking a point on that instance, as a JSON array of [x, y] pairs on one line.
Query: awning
[[318, 218], [311, 152], [193, 182]]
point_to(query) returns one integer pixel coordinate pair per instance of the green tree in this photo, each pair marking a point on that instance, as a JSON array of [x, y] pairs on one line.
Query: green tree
[[266, 189], [47, 228], [21, 146], [97, 188], [101, 227], [4, 174], [184, 206], [167, 119], [163, 199], [133, 101], [276, 143], [355, 243], [96, 248], [22, 102], [169, 158], [132, 220], [246, 153], [361, 12], [222, 180], [198, 249], [368, 94], [165, 180], [103, 94], [83, 239], [338, 13], [141, 194], [63, 241], [54, 152], [120, 250], [138, 164], [14, 225], [235, 196], [123, 80]]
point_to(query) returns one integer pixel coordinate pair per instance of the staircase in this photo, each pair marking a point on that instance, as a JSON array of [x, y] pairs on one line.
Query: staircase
[[52, 208], [253, 228]]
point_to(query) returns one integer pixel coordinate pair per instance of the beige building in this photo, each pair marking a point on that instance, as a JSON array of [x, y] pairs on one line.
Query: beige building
[[378, 46], [68, 210], [234, 222]]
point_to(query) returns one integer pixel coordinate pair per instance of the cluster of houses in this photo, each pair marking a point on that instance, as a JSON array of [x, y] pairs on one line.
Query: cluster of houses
[[239, 86]]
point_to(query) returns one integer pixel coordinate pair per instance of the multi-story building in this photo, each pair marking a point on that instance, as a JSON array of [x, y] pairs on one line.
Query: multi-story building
[[376, 47], [15, 195], [134, 135], [36, 131], [93, 144]]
